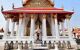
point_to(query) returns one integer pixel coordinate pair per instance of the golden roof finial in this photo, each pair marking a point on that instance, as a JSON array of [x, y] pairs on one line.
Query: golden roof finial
[[22, 2], [2, 8], [13, 5], [62, 6], [73, 9]]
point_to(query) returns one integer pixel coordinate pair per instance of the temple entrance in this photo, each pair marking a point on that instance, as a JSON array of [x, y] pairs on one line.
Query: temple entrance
[[38, 28], [38, 34]]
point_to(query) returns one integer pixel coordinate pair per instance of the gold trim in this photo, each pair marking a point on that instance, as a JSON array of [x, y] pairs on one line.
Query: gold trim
[[44, 16]]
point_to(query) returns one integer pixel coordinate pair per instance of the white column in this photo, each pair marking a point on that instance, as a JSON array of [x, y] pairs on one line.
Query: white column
[[56, 27], [20, 26], [68, 27], [12, 29], [17, 28], [6, 28], [62, 27], [23, 27], [52, 26], [32, 27], [44, 26]]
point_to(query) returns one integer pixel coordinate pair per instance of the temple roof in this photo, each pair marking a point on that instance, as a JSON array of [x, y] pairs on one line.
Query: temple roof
[[37, 6], [37, 10], [76, 30]]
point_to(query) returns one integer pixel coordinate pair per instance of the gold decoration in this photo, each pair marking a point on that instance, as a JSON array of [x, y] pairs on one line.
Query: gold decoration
[[44, 16], [32, 16], [68, 16]]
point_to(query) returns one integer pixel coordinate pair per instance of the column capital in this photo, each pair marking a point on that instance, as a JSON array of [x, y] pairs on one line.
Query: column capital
[[43, 16], [68, 16], [6, 16], [32, 16], [54, 15], [20, 15], [51, 15]]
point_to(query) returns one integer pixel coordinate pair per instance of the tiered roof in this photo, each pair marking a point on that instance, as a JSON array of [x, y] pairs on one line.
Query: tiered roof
[[31, 6]]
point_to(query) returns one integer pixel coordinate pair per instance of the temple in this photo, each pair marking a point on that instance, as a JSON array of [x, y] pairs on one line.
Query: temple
[[38, 21]]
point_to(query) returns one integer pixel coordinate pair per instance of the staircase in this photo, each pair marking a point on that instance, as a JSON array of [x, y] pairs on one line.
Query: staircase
[[39, 46]]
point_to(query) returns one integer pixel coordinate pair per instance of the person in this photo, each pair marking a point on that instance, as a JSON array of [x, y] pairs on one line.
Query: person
[[15, 46], [6, 46], [11, 45]]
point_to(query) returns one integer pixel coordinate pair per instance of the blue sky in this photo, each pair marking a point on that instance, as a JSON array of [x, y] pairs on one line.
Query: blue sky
[[67, 4]]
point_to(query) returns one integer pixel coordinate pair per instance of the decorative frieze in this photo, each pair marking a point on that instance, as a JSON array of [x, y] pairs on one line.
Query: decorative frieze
[[38, 3]]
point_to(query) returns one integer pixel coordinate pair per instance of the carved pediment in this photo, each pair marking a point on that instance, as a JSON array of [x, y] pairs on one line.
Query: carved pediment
[[38, 3]]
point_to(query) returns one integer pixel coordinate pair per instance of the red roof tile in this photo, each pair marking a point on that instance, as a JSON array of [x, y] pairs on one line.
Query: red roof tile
[[37, 10]]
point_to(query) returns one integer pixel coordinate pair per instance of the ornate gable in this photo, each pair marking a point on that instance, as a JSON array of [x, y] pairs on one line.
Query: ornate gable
[[38, 3]]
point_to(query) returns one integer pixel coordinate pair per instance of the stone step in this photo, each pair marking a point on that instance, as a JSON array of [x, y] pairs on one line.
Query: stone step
[[38, 42], [40, 47]]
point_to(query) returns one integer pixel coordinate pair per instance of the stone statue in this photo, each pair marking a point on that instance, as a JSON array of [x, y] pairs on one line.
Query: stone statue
[[21, 45], [38, 34], [68, 44], [59, 44], [6, 46], [11, 45], [15, 45]]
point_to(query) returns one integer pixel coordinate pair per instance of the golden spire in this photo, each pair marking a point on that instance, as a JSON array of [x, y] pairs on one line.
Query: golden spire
[[62, 6], [22, 2], [13, 5], [54, 2], [73, 9], [2, 8]]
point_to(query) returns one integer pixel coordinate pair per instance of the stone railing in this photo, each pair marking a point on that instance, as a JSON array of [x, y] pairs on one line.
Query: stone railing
[[51, 37], [16, 38], [25, 37], [13, 37], [64, 37]]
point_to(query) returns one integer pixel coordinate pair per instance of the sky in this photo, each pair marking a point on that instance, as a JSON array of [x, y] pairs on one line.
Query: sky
[[68, 5]]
